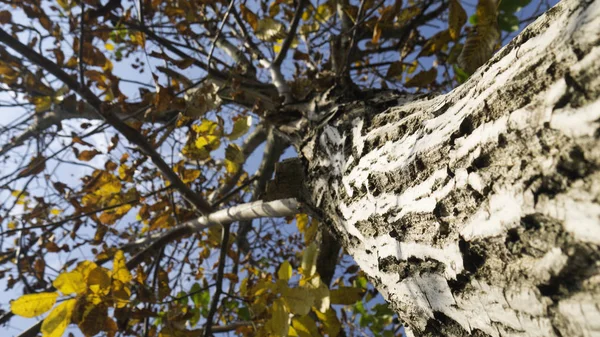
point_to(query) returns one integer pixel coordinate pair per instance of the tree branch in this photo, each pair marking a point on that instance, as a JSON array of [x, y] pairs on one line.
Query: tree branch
[[131, 134]]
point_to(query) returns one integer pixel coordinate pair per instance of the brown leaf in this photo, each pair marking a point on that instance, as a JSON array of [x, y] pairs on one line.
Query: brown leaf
[[87, 155], [36, 165], [5, 17], [422, 79]]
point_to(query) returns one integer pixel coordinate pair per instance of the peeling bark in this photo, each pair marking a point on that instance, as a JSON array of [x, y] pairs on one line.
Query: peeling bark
[[477, 212]]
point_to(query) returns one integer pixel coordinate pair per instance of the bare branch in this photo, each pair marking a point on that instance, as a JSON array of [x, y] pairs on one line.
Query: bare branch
[[131, 134]]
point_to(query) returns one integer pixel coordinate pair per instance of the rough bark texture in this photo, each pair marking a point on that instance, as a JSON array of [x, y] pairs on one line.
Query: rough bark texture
[[477, 213]]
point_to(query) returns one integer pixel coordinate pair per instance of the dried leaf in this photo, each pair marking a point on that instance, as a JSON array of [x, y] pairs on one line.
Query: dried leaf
[[5, 17], [422, 79], [87, 155]]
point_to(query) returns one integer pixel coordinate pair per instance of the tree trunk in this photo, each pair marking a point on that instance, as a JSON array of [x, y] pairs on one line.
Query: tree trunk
[[477, 213]]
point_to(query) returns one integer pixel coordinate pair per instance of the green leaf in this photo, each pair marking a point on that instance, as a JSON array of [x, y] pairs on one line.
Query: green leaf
[[240, 127], [512, 6], [309, 260], [299, 300], [279, 323], [508, 22], [346, 295], [305, 326]]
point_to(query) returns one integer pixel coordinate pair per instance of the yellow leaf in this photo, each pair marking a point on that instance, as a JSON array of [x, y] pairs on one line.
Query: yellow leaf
[[55, 211], [109, 46], [305, 326], [324, 12], [12, 225], [279, 323], [309, 260], [346, 295], [299, 300], [285, 271], [70, 283], [57, 321], [456, 19], [85, 267], [99, 281], [32, 305], [120, 270]]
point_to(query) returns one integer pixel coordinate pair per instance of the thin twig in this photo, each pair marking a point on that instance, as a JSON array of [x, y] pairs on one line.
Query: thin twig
[[218, 34]]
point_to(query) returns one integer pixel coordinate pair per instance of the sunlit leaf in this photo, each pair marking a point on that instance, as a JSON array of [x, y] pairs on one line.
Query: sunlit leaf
[[269, 29], [32, 305], [305, 326], [71, 282], [120, 270], [285, 271], [309, 260], [57, 321]]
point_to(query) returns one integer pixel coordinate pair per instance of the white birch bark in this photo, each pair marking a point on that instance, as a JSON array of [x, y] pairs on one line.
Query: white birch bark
[[477, 213]]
